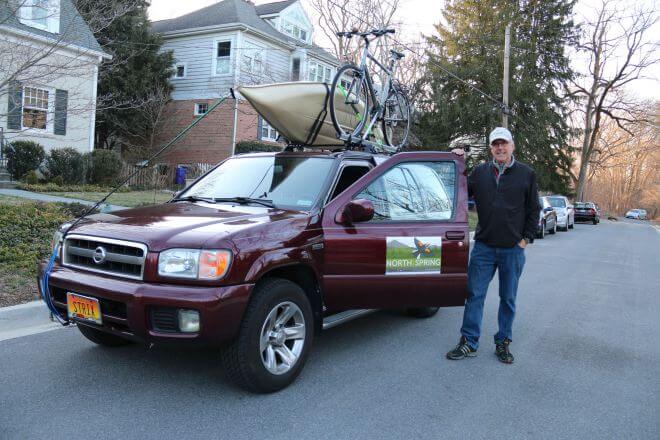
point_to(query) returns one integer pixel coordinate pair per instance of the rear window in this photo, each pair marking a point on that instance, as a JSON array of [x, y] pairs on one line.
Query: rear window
[[557, 202], [583, 205]]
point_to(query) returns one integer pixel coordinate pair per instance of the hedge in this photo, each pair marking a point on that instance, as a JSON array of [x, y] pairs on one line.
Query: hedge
[[256, 146], [23, 157], [104, 167], [64, 166], [52, 187]]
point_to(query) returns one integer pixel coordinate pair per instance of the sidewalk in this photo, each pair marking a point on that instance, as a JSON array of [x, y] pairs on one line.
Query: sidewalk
[[46, 198], [25, 319]]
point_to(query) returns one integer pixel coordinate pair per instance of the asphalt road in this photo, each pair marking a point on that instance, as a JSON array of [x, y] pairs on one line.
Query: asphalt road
[[585, 339]]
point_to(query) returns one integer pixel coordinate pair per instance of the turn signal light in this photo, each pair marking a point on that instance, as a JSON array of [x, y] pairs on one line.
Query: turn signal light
[[214, 264]]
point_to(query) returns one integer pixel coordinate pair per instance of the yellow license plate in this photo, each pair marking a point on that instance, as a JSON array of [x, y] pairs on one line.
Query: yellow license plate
[[83, 307]]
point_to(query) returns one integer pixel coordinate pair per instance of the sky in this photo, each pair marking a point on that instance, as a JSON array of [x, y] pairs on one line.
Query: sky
[[420, 16]]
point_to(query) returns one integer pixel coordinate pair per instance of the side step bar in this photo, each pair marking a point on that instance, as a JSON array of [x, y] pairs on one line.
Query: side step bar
[[342, 317]]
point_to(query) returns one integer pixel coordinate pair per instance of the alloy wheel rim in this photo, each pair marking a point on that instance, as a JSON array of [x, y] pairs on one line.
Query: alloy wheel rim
[[282, 338]]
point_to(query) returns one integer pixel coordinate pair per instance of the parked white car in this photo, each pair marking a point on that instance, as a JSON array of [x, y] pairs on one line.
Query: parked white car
[[639, 214], [564, 210]]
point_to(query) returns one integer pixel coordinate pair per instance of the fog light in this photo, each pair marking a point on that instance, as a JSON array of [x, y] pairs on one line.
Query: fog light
[[189, 321]]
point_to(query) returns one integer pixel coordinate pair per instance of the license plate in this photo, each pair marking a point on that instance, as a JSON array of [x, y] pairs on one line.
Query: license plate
[[83, 307]]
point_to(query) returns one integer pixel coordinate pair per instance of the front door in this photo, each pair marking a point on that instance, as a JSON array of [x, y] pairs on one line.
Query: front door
[[414, 252]]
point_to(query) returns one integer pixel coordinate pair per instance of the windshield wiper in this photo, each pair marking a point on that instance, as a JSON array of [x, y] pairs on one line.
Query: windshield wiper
[[194, 199], [246, 200]]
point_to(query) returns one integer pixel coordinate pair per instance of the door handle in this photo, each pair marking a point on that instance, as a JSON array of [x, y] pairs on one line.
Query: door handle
[[455, 235]]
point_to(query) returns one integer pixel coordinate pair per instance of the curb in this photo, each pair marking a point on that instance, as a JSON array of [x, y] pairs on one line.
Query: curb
[[27, 305]]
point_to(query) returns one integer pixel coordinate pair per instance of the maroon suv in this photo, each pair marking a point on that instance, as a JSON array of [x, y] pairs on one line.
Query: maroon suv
[[265, 250]]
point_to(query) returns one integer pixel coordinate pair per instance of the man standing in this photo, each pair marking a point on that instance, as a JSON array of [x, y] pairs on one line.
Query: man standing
[[506, 197]]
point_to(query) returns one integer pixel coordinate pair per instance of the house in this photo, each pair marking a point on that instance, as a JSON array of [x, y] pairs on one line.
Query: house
[[49, 62], [225, 45]]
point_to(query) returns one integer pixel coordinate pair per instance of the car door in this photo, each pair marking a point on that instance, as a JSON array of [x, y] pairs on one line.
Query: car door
[[414, 252]]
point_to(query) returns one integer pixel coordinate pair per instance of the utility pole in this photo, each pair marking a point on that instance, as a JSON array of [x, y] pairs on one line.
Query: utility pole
[[505, 79]]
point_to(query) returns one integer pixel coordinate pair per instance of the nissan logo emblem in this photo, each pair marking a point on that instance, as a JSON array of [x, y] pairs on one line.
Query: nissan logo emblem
[[99, 255]]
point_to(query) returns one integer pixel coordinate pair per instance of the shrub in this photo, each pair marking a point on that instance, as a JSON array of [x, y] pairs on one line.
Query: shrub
[[31, 177], [52, 187], [255, 146], [66, 165], [23, 157], [103, 167]]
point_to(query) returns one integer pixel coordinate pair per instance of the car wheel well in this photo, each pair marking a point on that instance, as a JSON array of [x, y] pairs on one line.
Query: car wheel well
[[305, 277]]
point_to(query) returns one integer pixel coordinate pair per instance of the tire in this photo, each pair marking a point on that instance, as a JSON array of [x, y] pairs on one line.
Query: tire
[[102, 338], [396, 119], [572, 224], [554, 228], [246, 359], [422, 312], [541, 233], [349, 125], [594, 221]]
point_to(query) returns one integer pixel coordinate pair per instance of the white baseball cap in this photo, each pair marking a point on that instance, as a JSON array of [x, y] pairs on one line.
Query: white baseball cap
[[500, 133]]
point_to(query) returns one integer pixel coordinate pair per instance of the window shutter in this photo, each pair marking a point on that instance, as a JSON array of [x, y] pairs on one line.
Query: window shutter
[[259, 125], [15, 110], [61, 104]]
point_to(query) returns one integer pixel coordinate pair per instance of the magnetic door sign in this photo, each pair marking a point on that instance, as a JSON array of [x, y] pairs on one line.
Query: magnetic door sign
[[408, 255]]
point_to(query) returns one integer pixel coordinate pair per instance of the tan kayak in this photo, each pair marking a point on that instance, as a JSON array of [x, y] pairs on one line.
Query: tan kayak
[[295, 110]]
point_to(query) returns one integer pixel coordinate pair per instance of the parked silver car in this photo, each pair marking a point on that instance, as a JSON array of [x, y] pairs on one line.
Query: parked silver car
[[639, 214], [547, 218], [564, 210]]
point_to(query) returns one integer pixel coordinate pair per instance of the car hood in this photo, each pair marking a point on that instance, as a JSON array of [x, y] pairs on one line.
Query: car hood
[[186, 224]]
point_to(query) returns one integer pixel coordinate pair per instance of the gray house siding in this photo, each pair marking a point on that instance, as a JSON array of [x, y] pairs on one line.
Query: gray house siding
[[275, 61]]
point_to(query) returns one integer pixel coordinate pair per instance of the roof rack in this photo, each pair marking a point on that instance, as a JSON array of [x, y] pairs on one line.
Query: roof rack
[[351, 143]]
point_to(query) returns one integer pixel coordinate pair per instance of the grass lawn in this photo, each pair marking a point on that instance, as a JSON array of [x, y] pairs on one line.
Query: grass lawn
[[26, 231], [472, 220], [130, 199]]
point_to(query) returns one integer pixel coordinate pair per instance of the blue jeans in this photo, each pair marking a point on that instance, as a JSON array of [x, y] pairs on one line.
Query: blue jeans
[[484, 260]]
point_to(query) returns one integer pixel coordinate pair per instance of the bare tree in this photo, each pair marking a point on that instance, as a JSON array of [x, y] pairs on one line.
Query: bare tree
[[619, 52]]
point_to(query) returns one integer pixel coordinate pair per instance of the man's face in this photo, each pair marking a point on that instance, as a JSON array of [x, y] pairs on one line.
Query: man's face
[[502, 150]]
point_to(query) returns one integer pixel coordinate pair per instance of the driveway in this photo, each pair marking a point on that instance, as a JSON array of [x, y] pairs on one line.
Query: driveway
[[585, 339]]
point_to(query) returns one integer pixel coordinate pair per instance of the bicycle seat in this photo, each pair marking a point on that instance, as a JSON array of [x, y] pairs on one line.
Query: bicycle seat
[[397, 55]]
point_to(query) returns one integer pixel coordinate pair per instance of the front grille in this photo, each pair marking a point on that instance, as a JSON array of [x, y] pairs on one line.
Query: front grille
[[164, 319], [114, 257]]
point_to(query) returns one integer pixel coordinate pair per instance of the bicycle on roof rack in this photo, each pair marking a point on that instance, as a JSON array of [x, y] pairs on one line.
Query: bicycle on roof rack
[[356, 106]]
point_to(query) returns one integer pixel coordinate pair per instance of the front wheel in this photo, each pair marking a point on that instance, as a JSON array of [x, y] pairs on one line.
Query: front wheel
[[542, 231], [274, 339], [349, 101], [396, 119], [422, 312]]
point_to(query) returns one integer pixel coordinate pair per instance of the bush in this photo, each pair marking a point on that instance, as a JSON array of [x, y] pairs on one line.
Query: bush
[[255, 146], [103, 167], [66, 165], [31, 178], [52, 187], [23, 157]]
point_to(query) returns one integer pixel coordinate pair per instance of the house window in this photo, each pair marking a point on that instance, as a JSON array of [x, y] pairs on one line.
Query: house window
[[180, 71], [295, 31], [201, 108], [222, 59], [319, 72], [295, 69], [268, 133], [35, 108], [253, 58], [41, 14]]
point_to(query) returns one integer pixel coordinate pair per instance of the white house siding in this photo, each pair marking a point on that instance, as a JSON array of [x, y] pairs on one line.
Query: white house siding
[[77, 75], [276, 61], [198, 52]]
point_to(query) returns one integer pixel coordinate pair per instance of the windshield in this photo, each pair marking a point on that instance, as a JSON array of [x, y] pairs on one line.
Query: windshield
[[557, 202], [289, 182]]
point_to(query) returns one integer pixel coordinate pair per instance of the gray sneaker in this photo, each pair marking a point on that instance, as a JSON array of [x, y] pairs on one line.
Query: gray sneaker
[[462, 350]]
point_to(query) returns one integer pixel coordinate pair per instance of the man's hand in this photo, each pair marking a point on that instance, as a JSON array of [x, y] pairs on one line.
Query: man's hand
[[458, 151], [522, 243]]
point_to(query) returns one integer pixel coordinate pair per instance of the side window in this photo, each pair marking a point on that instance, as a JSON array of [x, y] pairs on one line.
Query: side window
[[413, 191], [349, 175]]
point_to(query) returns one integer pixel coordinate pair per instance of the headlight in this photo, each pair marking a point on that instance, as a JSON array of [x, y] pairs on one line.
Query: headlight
[[194, 263]]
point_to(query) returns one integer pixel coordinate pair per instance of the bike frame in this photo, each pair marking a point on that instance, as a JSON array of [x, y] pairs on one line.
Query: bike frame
[[379, 101]]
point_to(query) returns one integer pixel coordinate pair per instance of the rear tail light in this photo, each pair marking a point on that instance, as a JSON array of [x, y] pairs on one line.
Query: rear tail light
[[592, 211]]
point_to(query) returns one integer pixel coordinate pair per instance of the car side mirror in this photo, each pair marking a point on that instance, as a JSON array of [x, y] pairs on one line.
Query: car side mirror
[[355, 211]]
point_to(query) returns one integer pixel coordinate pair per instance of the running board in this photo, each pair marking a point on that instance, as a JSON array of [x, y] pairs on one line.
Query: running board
[[342, 317]]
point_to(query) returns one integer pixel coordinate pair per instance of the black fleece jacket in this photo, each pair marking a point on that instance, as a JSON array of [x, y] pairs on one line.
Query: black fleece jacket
[[508, 211]]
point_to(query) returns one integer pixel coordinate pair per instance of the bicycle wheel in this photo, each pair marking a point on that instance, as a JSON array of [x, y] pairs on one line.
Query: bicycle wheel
[[396, 119], [349, 100]]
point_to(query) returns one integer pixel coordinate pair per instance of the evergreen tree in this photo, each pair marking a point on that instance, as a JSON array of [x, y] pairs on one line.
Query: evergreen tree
[[137, 75], [471, 46]]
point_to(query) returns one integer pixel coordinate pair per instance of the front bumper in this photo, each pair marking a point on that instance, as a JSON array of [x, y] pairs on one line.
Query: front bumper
[[127, 305]]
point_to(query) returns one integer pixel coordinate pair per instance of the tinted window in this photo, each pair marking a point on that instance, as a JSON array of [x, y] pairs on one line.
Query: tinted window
[[413, 191], [290, 182]]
